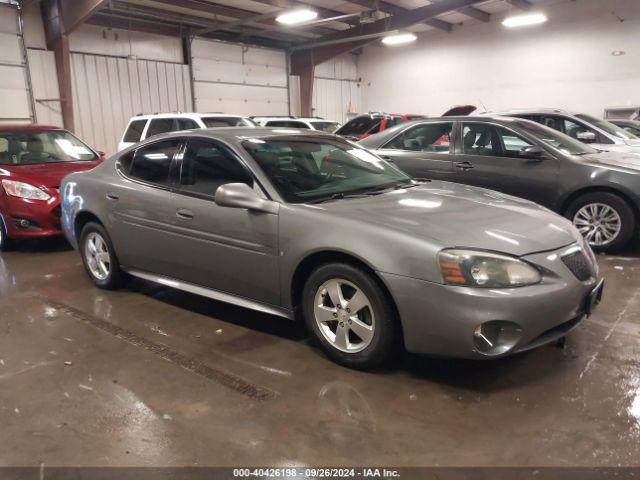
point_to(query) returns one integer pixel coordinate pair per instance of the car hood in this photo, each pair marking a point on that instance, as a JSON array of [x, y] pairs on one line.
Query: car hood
[[455, 215], [614, 159], [45, 174], [633, 142]]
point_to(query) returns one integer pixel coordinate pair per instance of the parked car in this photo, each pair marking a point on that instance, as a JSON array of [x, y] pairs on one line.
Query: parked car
[[631, 126], [373, 122], [312, 123], [33, 160], [599, 191], [598, 133], [142, 127], [312, 226]]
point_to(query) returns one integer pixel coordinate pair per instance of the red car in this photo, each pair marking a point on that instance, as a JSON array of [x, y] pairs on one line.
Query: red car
[[33, 161], [364, 125]]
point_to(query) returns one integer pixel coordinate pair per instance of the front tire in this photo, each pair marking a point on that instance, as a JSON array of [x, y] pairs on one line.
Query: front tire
[[99, 257], [605, 220], [5, 241], [350, 316]]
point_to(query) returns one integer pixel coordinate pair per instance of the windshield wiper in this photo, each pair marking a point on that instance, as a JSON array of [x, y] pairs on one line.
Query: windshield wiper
[[337, 196]]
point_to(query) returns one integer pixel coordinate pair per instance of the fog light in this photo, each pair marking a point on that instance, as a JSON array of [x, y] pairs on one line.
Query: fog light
[[23, 223], [496, 337]]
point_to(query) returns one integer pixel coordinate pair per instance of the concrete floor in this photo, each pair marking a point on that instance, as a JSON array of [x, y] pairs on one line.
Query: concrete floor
[[153, 376]]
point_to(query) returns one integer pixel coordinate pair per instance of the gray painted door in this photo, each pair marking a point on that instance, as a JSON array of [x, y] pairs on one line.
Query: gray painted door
[[489, 156], [228, 249]]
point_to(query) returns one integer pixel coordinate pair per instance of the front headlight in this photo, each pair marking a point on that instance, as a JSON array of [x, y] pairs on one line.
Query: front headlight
[[24, 190], [484, 269]]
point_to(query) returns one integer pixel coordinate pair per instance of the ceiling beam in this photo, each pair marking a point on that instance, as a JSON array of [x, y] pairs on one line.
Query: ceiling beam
[[521, 4], [322, 11], [440, 24], [380, 28], [473, 12]]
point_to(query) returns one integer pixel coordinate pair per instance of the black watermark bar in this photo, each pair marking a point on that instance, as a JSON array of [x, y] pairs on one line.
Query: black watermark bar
[[319, 473]]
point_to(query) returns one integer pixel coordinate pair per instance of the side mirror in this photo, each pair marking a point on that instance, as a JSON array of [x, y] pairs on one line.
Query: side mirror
[[586, 137], [241, 195], [101, 155], [533, 153]]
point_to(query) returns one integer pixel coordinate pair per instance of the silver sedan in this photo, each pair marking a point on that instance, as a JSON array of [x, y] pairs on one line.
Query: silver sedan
[[311, 227]]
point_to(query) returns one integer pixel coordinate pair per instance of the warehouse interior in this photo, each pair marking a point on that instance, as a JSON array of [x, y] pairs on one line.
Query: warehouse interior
[[154, 376]]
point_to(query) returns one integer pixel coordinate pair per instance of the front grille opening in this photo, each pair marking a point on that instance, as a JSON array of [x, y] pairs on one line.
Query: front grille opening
[[579, 265]]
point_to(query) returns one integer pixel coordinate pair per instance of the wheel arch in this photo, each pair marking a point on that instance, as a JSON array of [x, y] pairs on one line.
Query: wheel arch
[[322, 257], [601, 189], [81, 219]]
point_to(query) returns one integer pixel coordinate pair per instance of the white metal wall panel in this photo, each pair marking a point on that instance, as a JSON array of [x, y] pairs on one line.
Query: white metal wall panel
[[237, 79], [108, 91], [44, 83], [14, 90]]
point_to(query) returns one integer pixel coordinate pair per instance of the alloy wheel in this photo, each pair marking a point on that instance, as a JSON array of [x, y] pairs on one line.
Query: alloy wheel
[[344, 315], [97, 256], [599, 223]]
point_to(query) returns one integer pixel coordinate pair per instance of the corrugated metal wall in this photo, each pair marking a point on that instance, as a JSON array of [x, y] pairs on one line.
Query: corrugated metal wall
[[44, 83], [107, 91], [336, 89], [14, 86], [236, 79]]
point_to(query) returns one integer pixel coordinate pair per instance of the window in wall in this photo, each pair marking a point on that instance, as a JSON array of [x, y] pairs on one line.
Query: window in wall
[[428, 137], [206, 166]]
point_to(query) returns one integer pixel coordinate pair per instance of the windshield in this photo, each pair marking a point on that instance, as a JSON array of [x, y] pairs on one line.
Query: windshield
[[34, 147], [311, 169], [328, 127], [359, 125], [608, 127], [557, 140], [216, 122]]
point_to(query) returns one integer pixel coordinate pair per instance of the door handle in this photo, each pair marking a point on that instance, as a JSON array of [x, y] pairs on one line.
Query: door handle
[[184, 214], [112, 196], [465, 165]]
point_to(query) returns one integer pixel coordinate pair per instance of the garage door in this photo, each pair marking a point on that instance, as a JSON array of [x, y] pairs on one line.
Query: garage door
[[14, 90], [237, 79], [108, 91]]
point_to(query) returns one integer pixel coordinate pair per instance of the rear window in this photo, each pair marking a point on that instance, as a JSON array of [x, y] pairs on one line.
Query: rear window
[[359, 125], [134, 132], [216, 122], [286, 123]]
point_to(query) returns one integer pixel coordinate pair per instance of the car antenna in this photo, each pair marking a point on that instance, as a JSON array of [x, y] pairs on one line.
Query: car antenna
[[483, 106]]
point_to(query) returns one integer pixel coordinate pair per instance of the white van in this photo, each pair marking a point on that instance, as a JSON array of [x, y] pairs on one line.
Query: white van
[[144, 126]]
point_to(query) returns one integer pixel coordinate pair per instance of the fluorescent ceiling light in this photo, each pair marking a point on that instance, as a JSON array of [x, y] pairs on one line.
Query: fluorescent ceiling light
[[399, 38], [294, 17], [523, 20]]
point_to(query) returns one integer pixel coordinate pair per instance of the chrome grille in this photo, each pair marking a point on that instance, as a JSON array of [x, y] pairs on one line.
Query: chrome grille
[[579, 265]]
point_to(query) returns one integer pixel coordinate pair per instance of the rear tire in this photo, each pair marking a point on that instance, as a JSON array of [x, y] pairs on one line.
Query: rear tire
[[605, 220], [99, 257], [350, 316]]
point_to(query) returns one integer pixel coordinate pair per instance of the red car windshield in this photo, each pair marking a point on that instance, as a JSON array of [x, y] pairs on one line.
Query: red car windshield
[[37, 147]]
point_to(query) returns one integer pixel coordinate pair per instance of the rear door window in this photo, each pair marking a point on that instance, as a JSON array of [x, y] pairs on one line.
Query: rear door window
[[185, 124], [134, 131], [152, 163], [160, 125], [429, 137]]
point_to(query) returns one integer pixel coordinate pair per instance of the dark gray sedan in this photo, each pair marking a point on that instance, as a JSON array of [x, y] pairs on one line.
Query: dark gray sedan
[[312, 226], [598, 191]]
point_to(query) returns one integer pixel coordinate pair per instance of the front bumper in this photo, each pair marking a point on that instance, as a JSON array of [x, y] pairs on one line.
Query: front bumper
[[30, 218], [440, 319]]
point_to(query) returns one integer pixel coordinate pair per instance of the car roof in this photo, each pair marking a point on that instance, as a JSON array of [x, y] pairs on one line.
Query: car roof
[[184, 115], [238, 134], [515, 111], [28, 128]]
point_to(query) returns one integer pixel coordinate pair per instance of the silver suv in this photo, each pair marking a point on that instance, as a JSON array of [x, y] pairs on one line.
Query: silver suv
[[598, 133]]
